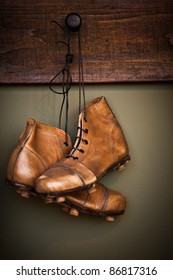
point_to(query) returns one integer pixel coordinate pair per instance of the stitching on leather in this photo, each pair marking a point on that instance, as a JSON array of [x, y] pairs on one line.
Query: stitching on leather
[[74, 171], [86, 199], [21, 148], [37, 155], [105, 199], [96, 104]]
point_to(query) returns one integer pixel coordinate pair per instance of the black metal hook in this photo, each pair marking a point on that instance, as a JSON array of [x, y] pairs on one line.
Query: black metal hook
[[73, 22]]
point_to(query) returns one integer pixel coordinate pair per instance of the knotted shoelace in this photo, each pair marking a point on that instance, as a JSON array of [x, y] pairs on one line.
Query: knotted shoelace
[[66, 81]]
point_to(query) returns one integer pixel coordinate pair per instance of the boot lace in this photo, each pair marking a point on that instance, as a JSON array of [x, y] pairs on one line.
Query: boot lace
[[66, 83], [79, 139]]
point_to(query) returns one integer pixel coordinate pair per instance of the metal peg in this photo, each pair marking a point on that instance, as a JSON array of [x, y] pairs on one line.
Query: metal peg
[[73, 22]]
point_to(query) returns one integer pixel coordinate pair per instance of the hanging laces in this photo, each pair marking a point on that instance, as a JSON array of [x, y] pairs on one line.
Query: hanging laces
[[81, 78], [66, 84], [81, 131], [73, 23]]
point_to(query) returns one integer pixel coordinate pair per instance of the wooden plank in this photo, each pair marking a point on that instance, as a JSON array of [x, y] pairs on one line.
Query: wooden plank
[[122, 40]]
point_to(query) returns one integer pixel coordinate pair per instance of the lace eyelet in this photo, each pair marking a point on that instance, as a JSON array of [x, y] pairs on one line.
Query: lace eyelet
[[86, 130], [86, 141], [82, 151], [66, 144], [75, 158]]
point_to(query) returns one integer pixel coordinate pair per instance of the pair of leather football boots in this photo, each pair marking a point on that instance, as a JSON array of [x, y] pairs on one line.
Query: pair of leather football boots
[[44, 164]]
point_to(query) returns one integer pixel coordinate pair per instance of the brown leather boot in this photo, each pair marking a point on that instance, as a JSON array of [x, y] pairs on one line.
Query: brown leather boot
[[38, 148], [97, 201], [100, 146]]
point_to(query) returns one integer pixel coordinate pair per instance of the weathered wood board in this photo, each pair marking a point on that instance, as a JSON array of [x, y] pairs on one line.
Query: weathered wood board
[[122, 40]]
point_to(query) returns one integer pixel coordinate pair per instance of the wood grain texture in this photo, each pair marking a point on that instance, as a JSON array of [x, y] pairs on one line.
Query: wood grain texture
[[122, 40]]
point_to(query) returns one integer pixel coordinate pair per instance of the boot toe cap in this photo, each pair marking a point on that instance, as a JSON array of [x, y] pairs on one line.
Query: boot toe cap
[[45, 184], [60, 181]]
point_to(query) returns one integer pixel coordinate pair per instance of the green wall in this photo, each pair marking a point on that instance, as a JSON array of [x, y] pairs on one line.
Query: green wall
[[30, 229]]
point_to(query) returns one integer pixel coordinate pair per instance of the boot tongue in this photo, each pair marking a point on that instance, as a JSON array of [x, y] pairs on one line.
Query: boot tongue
[[79, 135]]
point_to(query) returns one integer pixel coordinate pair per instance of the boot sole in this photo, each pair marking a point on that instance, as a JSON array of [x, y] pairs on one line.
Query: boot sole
[[59, 197], [74, 209], [26, 191], [23, 190]]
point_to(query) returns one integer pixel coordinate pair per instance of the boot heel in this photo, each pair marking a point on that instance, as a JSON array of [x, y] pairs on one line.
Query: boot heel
[[71, 211], [66, 209], [74, 212], [60, 199], [21, 189], [110, 218], [122, 165], [49, 199], [23, 193]]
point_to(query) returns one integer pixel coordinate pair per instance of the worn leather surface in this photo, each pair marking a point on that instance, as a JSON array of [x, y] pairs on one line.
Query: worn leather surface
[[98, 199], [100, 144], [38, 148], [65, 176], [106, 141]]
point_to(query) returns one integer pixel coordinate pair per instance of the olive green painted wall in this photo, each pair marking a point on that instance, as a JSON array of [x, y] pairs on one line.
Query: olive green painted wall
[[30, 229]]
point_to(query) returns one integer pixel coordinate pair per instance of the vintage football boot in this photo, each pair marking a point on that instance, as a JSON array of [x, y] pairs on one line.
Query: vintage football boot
[[97, 201], [38, 148], [100, 146]]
